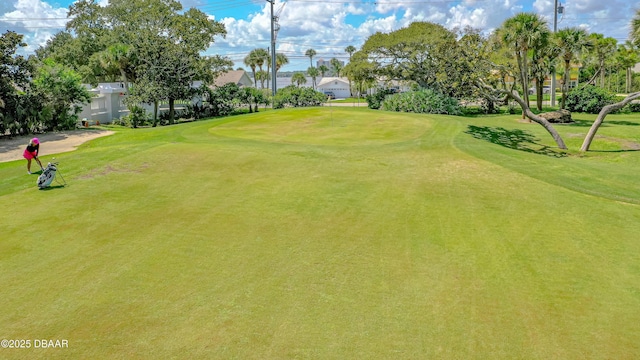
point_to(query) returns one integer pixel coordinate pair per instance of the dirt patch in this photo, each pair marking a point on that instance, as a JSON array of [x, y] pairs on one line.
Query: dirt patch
[[110, 169], [51, 143]]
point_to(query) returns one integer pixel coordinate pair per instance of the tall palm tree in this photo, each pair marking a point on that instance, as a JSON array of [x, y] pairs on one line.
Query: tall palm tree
[[313, 73], [281, 60], [635, 29], [118, 58], [251, 61], [627, 56], [255, 60], [571, 42], [524, 32], [336, 66], [350, 50], [310, 53], [542, 62], [323, 69], [601, 49]]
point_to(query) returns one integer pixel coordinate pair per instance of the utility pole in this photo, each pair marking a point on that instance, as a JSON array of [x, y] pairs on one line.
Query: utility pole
[[274, 19], [553, 73]]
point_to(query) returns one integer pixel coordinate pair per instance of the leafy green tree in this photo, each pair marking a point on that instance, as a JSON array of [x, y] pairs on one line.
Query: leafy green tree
[[162, 44], [310, 53], [15, 74], [423, 53], [571, 42], [253, 96], [361, 72], [60, 90]]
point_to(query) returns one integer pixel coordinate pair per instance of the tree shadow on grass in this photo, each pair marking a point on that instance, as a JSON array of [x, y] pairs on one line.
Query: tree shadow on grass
[[513, 139], [578, 123], [622, 122]]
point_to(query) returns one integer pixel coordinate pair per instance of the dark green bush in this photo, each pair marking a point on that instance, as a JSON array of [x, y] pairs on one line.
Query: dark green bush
[[424, 101], [293, 96], [374, 101], [589, 99], [137, 116], [632, 107]]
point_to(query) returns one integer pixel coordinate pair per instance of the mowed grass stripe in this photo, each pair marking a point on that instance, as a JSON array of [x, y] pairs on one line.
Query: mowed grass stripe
[[249, 247]]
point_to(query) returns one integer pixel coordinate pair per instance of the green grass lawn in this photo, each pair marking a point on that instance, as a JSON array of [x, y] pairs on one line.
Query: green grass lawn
[[341, 233]]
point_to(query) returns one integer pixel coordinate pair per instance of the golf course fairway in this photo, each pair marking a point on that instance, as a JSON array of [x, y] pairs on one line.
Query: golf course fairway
[[328, 233]]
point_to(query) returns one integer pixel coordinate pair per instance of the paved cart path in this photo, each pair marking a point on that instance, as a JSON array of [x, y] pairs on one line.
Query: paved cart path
[[51, 143]]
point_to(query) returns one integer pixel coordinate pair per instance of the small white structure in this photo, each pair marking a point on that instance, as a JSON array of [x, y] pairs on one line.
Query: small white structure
[[338, 85], [108, 103]]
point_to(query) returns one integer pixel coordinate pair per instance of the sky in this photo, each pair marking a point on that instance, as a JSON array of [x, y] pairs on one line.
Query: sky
[[329, 26]]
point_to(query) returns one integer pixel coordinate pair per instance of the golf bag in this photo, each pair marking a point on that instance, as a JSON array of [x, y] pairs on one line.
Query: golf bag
[[48, 175]]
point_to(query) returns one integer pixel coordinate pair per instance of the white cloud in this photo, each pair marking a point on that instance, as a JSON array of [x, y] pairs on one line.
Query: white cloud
[[36, 20], [35, 14]]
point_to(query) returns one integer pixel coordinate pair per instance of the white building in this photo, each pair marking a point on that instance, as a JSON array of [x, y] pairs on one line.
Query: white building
[[338, 86]]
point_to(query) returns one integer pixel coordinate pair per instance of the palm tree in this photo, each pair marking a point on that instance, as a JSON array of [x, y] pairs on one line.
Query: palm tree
[[635, 29], [313, 73], [118, 58], [350, 50], [602, 48], [336, 66], [310, 53], [570, 42], [627, 57], [281, 60], [251, 61], [262, 57], [124, 56], [298, 78], [522, 33], [323, 69], [542, 62]]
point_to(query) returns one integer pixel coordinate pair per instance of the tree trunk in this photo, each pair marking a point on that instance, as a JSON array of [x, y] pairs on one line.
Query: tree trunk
[[565, 82], [539, 93], [171, 110], [526, 110], [523, 79], [155, 113], [600, 119], [602, 73]]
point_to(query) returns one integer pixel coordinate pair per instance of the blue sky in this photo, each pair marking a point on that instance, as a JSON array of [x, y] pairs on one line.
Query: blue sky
[[331, 25]]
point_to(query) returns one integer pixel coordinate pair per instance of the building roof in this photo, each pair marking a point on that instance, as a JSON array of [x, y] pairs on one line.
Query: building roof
[[327, 80], [238, 77]]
